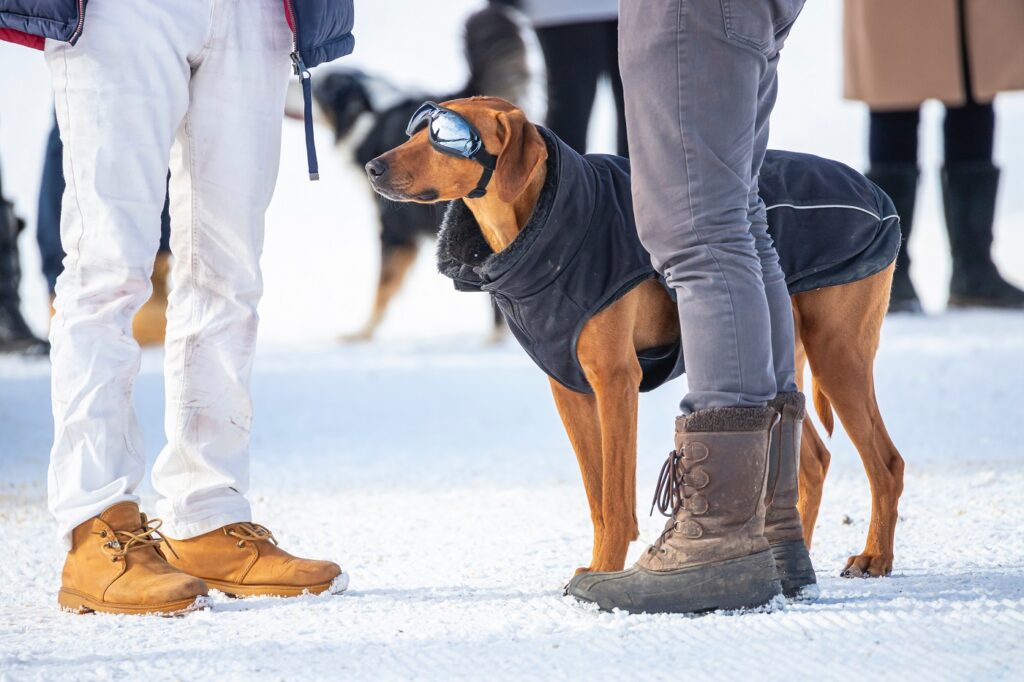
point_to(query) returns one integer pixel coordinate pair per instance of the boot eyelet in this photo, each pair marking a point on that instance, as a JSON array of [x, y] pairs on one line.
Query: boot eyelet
[[662, 551], [240, 543], [103, 533]]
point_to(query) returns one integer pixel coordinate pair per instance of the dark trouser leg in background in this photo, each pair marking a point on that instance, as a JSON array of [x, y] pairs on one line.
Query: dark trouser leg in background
[[970, 185], [577, 55], [893, 154], [700, 84], [573, 57]]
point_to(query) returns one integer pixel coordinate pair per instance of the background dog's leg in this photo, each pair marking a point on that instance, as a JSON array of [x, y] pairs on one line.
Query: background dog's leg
[[579, 416], [814, 457], [395, 263], [841, 345]]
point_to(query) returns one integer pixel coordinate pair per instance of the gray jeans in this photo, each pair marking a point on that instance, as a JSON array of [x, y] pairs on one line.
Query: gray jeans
[[700, 84]]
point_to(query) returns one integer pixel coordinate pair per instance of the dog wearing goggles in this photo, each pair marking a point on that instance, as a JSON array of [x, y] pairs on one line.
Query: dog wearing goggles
[[504, 176]]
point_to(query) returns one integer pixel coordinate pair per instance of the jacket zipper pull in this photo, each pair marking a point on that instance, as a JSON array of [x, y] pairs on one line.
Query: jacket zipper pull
[[307, 114]]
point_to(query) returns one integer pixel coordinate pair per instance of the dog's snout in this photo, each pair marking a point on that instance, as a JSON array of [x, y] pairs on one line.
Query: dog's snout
[[376, 168]]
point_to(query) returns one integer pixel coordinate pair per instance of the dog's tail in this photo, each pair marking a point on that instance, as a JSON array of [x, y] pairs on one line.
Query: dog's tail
[[505, 59], [823, 407]]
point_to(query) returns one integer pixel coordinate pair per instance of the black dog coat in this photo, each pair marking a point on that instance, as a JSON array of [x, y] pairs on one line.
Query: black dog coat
[[580, 252]]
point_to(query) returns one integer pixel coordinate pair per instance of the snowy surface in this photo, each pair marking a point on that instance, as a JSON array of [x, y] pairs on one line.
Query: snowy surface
[[436, 471]]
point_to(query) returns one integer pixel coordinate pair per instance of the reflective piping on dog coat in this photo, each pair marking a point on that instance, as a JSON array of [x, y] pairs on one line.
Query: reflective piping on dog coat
[[580, 252]]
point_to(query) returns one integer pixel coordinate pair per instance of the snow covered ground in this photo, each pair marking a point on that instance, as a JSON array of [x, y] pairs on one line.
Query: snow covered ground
[[435, 468]]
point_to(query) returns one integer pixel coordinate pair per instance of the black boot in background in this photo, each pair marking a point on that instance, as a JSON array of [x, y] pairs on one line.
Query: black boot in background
[[969, 196], [899, 181], [15, 336]]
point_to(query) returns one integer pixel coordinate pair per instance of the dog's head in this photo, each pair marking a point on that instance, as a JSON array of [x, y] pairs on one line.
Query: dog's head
[[417, 171], [343, 97]]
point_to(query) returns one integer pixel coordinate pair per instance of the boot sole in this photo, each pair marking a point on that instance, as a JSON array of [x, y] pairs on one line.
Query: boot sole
[[795, 571], [743, 583], [76, 602], [336, 586]]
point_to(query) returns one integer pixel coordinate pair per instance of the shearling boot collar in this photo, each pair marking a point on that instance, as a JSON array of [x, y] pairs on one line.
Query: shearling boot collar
[[540, 251], [794, 400], [726, 419]]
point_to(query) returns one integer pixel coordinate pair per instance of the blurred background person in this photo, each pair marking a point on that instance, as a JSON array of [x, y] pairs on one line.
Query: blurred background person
[[149, 326], [15, 335], [580, 43], [899, 53]]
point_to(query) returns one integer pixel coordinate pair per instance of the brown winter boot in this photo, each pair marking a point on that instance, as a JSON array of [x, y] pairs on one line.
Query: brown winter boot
[[115, 565], [150, 324], [713, 553], [782, 526], [243, 560]]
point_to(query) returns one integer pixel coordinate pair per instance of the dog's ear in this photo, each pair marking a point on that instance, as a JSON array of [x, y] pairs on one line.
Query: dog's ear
[[522, 152]]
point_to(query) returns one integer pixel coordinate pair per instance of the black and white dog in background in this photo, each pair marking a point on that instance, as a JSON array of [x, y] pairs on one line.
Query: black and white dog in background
[[368, 115]]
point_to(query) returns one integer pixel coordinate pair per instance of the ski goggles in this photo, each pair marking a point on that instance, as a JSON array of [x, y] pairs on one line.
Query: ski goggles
[[450, 133]]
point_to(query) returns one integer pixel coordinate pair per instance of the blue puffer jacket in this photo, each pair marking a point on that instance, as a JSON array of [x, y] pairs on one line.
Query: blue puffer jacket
[[322, 28]]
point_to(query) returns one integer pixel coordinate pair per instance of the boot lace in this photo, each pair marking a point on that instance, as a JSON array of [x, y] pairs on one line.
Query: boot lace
[[679, 481], [249, 532], [125, 541], [668, 493]]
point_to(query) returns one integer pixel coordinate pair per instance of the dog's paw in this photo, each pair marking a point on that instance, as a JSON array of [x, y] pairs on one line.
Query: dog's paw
[[868, 566], [362, 336]]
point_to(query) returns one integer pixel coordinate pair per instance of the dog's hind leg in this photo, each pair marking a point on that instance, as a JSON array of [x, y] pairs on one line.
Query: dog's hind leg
[[579, 416], [814, 458], [395, 263], [841, 328]]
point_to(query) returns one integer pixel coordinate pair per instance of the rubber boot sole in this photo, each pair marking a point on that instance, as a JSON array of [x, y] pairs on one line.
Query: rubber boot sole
[[76, 602], [743, 583], [336, 586], [795, 571]]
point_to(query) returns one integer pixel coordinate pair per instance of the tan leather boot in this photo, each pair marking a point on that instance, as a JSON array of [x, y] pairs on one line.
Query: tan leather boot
[[115, 565], [713, 553], [243, 560], [149, 327], [782, 527]]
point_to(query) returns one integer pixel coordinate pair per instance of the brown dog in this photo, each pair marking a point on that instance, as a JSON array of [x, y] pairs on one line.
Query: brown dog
[[837, 332]]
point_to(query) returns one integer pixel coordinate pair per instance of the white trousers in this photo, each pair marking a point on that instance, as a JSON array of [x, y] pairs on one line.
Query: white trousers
[[196, 86]]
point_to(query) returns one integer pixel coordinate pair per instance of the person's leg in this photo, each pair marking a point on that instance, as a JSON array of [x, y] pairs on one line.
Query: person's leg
[[970, 186], [223, 171], [611, 47], [780, 308], [120, 95], [892, 150], [693, 155], [572, 53], [698, 78], [51, 190]]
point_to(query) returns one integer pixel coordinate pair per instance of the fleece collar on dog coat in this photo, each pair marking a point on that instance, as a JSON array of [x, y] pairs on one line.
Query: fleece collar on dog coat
[[579, 252]]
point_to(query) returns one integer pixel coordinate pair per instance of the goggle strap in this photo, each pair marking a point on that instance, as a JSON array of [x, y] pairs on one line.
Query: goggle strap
[[489, 162]]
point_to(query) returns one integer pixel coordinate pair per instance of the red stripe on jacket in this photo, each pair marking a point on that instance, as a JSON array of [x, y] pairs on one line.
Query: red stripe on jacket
[[17, 37]]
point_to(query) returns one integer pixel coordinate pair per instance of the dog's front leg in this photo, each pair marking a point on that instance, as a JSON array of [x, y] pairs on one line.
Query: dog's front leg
[[616, 388], [579, 416]]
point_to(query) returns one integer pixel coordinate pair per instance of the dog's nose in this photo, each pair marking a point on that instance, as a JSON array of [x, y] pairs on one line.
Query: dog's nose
[[376, 168]]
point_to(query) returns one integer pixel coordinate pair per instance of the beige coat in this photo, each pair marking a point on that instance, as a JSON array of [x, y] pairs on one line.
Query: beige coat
[[899, 53]]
